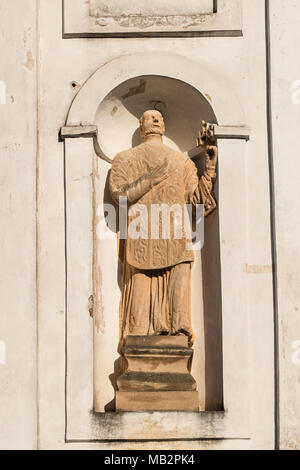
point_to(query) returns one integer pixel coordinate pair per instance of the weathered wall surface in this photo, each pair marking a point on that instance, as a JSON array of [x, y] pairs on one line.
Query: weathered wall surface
[[285, 80], [18, 117], [233, 65], [63, 67]]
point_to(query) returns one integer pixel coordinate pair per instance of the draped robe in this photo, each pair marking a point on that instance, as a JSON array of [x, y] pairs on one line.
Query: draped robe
[[156, 270]]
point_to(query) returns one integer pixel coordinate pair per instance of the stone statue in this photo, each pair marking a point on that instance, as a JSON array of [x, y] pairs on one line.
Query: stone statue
[[156, 297]]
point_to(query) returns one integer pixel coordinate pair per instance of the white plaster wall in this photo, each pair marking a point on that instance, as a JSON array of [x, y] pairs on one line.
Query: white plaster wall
[[285, 73], [18, 120], [60, 63], [237, 61]]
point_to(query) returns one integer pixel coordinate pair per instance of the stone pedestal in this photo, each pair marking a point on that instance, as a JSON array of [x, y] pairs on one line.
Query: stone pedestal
[[158, 376]]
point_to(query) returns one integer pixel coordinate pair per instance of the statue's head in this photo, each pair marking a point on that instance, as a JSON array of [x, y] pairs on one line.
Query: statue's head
[[152, 122]]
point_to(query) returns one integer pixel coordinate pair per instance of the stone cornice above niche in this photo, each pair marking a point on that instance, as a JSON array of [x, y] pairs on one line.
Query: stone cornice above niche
[[127, 18]]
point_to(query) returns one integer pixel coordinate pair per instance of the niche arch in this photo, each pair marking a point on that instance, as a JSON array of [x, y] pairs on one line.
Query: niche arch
[[200, 76]]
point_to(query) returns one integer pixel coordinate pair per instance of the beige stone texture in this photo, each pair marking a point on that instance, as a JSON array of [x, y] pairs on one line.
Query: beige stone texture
[[162, 401]]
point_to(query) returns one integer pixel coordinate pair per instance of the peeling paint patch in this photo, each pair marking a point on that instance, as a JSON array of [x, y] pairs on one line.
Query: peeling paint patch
[[2, 353], [29, 64], [146, 8], [258, 268], [136, 90], [98, 310], [143, 22]]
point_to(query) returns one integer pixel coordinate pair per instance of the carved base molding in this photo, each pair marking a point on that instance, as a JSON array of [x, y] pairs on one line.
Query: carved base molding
[[157, 401], [158, 375]]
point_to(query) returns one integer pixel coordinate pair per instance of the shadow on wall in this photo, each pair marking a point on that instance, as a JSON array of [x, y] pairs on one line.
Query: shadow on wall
[[183, 108]]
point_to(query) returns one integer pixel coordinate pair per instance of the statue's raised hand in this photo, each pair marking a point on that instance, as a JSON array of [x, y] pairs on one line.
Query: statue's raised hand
[[211, 159]]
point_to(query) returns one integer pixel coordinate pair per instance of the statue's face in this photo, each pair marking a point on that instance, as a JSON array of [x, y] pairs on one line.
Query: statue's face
[[152, 122]]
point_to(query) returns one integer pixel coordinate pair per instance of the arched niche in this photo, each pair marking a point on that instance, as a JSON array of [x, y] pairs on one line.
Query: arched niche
[[202, 77], [182, 106], [113, 99], [117, 119]]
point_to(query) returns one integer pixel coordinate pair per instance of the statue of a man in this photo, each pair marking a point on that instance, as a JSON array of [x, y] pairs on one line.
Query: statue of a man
[[156, 291]]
